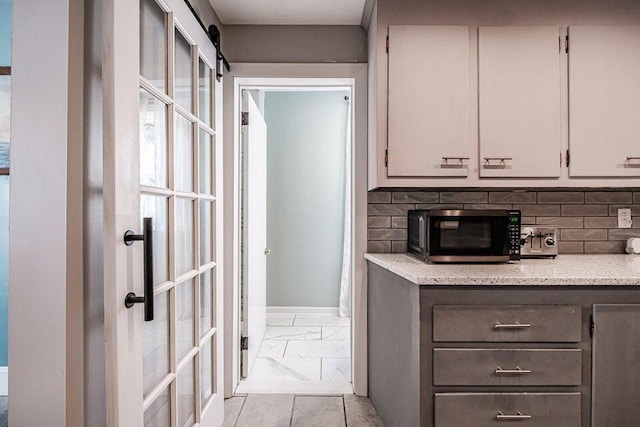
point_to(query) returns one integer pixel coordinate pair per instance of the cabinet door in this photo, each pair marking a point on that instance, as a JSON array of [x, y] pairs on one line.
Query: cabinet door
[[428, 98], [519, 102], [604, 101], [616, 377]]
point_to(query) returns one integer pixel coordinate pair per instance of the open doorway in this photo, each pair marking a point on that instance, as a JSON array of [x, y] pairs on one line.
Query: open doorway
[[295, 284]]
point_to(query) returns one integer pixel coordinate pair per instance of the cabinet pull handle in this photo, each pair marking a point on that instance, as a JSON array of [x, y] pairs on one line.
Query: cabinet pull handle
[[517, 371], [500, 159], [460, 159], [517, 416], [629, 158], [516, 325]]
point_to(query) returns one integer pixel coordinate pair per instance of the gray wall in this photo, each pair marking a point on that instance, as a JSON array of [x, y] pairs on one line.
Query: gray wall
[[587, 219], [306, 142], [295, 43]]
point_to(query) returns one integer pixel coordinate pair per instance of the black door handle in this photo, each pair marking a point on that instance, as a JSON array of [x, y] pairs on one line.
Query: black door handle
[[147, 239]]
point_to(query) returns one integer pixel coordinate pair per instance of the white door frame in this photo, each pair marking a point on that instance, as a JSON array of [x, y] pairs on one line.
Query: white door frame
[[264, 75]]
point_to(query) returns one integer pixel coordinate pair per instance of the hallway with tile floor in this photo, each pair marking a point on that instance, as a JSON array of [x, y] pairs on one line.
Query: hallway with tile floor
[[288, 410], [302, 353]]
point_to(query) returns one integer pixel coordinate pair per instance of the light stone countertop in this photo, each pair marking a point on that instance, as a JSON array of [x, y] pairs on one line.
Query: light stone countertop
[[565, 270]]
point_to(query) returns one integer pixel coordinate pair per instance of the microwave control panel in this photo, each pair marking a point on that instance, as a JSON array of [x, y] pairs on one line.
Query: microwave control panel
[[514, 235]]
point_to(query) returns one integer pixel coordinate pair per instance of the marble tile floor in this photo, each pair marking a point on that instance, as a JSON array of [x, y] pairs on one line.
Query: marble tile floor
[[302, 353], [284, 410]]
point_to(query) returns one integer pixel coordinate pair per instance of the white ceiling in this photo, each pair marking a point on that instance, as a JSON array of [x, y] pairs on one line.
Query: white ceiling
[[289, 12]]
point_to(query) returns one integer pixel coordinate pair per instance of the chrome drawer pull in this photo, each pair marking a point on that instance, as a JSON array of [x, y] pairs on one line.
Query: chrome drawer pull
[[517, 416], [516, 325], [517, 371]]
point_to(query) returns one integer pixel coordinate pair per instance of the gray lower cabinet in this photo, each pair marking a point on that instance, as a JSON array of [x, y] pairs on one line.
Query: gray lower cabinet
[[448, 356], [506, 409], [616, 365]]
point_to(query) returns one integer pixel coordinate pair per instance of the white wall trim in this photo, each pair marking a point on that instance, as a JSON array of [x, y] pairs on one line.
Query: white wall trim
[[252, 74], [4, 380], [335, 311]]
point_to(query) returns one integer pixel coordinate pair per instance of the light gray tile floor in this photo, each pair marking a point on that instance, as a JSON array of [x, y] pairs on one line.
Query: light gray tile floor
[[288, 410]]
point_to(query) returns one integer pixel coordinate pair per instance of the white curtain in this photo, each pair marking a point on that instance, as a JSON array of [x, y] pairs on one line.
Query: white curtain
[[345, 280]]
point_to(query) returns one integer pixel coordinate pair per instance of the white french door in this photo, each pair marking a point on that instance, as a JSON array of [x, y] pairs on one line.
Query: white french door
[[161, 160]]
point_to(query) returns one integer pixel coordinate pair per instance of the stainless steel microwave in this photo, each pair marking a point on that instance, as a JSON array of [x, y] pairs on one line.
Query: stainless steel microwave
[[465, 235]]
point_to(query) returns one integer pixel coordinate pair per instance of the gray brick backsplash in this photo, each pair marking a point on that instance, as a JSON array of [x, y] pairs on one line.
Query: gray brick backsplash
[[570, 247], [439, 206], [416, 197], [388, 234], [608, 197], [486, 206], [464, 197], [513, 197], [379, 222], [399, 247], [623, 233], [583, 234], [399, 222], [587, 219], [389, 209], [601, 222], [615, 247], [538, 210], [379, 197], [375, 246], [563, 197], [561, 221], [613, 209], [585, 210]]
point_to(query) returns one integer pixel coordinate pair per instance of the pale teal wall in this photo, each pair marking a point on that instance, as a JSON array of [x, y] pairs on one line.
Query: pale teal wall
[[5, 32], [306, 148]]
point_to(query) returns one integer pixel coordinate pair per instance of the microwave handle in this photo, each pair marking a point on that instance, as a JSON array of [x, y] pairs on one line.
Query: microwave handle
[[423, 234]]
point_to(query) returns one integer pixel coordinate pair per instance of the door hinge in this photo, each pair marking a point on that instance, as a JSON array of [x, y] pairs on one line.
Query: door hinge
[[568, 158], [245, 118], [559, 44], [386, 158], [244, 343], [566, 44], [592, 326], [387, 43]]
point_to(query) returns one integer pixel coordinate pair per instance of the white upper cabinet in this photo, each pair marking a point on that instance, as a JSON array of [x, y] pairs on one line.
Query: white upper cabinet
[[519, 102], [428, 101], [604, 101]]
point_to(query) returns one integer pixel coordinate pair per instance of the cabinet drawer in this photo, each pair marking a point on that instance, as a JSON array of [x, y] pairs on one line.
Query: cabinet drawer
[[512, 367], [507, 409], [507, 323]]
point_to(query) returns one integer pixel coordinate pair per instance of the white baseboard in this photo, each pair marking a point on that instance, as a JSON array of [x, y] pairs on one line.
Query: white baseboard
[[4, 380], [308, 310]]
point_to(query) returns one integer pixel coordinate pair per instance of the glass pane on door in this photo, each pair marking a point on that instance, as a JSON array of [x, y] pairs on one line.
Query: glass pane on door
[[184, 74], [204, 92], [159, 413], [184, 319], [206, 301], [184, 154], [155, 345], [206, 373], [153, 44], [206, 233], [184, 251], [186, 396], [206, 163], [153, 141]]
